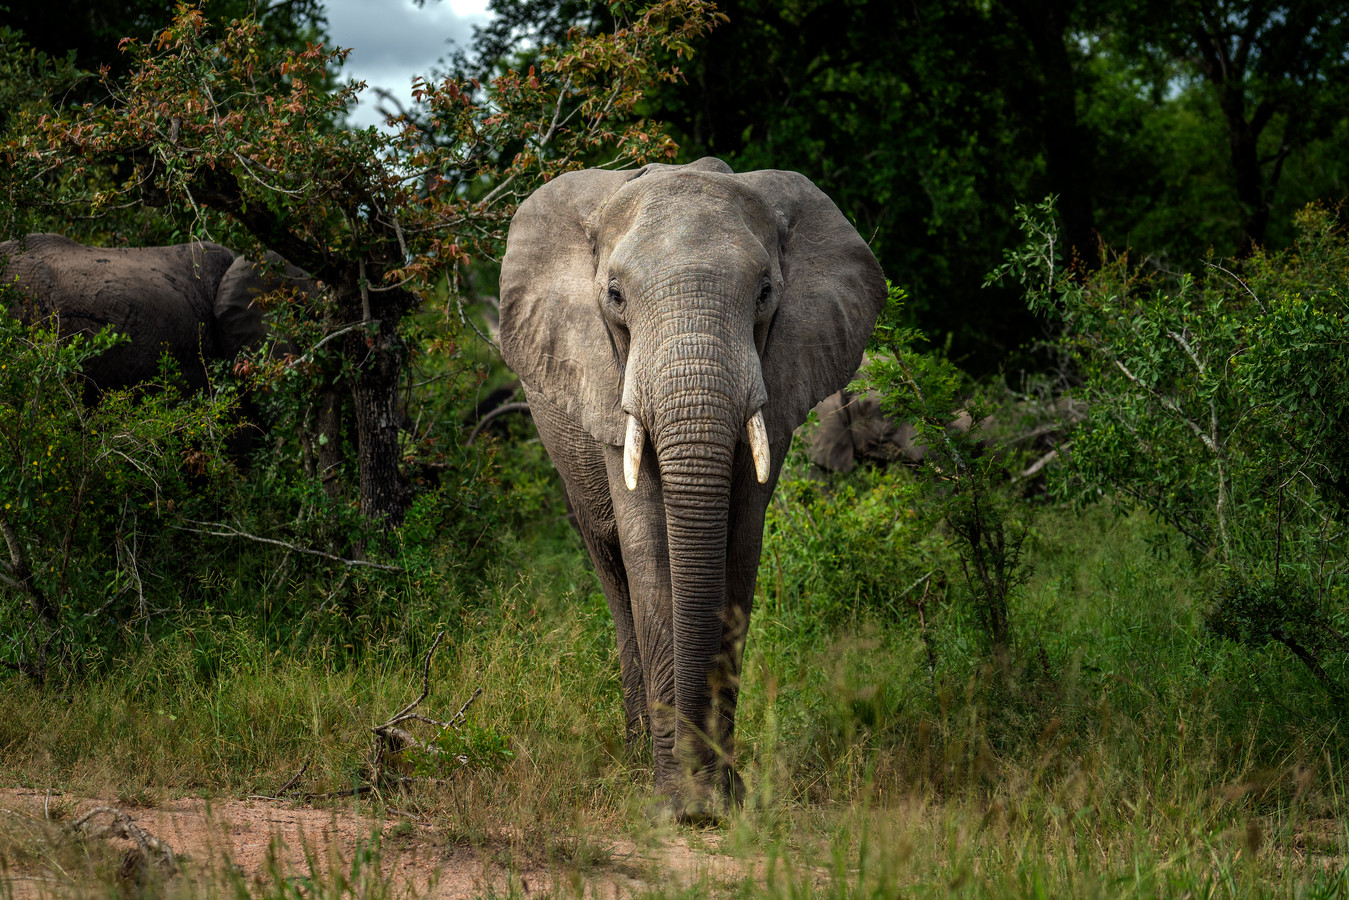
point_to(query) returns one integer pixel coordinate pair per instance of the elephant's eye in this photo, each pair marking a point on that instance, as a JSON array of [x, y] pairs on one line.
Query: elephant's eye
[[615, 295], [765, 294]]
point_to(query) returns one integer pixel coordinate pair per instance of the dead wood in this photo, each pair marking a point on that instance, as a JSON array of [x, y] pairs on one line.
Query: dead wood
[[148, 850], [392, 741]]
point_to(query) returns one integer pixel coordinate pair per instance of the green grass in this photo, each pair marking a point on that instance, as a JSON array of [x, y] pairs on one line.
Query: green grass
[[1120, 751]]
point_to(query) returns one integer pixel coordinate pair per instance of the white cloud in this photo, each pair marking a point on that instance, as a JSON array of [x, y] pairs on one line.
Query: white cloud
[[393, 40]]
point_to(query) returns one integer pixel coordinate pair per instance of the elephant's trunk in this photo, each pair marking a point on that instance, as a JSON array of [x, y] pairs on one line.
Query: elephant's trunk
[[695, 469], [700, 413]]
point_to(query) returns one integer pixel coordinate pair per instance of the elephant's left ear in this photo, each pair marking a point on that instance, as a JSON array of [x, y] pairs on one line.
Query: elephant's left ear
[[832, 292]]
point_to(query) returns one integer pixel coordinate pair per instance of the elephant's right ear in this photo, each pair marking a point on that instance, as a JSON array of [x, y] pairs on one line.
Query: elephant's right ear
[[552, 333]]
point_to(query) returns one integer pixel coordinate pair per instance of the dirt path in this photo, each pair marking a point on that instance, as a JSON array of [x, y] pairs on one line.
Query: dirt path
[[414, 859]]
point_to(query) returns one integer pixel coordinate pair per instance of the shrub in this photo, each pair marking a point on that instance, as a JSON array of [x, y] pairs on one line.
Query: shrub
[[964, 480], [87, 494], [1220, 403], [853, 548]]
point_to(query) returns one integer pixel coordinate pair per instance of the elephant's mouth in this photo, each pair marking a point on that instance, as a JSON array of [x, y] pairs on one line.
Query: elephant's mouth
[[756, 435]]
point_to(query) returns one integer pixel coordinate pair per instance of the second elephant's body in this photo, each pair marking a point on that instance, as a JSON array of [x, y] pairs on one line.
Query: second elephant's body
[[193, 301]]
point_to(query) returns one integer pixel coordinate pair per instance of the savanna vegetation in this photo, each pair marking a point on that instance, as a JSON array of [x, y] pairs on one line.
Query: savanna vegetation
[[1099, 654]]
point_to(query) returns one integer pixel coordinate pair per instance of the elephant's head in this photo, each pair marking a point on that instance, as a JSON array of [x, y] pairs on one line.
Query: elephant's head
[[685, 311], [678, 292], [238, 315]]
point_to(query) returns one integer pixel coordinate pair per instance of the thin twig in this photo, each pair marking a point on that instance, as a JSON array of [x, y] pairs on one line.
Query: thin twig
[[230, 531], [308, 354], [426, 682], [503, 409], [294, 779], [460, 716]]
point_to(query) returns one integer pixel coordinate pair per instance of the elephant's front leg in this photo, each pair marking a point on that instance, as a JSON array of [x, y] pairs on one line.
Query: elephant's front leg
[[607, 557], [639, 516], [749, 504]]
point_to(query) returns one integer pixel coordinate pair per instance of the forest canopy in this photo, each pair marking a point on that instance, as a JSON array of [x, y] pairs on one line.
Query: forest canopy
[[1173, 129]]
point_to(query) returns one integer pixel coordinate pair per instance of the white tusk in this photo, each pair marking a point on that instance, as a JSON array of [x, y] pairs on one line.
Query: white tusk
[[758, 445], [632, 451]]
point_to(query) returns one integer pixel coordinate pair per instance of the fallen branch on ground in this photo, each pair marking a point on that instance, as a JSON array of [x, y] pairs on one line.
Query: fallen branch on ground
[[394, 743], [148, 848], [288, 786], [391, 740]]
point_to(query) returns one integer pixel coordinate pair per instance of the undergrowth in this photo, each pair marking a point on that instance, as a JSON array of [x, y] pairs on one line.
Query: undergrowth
[[1125, 751]]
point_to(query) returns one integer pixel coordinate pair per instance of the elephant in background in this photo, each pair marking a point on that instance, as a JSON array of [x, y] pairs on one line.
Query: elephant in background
[[672, 326], [194, 301], [852, 428]]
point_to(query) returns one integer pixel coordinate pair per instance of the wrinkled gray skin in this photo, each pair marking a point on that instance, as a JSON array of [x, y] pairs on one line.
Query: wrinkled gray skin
[[853, 428], [194, 301], [686, 299]]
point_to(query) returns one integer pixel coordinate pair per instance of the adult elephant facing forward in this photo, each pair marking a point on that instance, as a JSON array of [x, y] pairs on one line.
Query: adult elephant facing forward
[[193, 301], [672, 326]]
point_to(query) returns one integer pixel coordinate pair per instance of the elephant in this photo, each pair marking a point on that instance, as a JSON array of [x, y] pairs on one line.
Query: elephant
[[672, 325], [853, 428], [193, 301]]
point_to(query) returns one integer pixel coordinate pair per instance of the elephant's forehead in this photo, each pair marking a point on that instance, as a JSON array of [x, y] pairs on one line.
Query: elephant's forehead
[[679, 208]]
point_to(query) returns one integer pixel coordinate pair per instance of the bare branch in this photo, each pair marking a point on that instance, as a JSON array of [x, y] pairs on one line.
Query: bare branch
[[307, 356], [230, 531], [123, 826], [426, 682], [503, 409]]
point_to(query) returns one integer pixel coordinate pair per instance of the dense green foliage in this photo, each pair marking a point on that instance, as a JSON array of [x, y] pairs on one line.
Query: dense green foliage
[[1220, 403], [1170, 128], [836, 554], [964, 482], [88, 496]]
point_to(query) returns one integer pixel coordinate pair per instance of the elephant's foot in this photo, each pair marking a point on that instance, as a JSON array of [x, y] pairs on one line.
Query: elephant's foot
[[700, 811], [690, 800]]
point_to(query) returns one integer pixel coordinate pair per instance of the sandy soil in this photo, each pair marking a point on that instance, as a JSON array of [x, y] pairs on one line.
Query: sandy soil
[[216, 834]]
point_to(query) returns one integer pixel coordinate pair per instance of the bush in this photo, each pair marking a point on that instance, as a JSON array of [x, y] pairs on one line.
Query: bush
[[88, 495], [1220, 403], [850, 549], [965, 481]]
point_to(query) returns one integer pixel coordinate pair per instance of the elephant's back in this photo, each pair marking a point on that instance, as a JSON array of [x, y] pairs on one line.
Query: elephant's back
[[55, 271], [160, 297]]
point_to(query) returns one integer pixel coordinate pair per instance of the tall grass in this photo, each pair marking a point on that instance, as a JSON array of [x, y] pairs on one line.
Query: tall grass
[[1119, 752]]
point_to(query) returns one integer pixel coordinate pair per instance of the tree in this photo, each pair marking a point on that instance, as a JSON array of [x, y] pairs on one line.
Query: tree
[[89, 31], [1218, 403], [898, 113], [1049, 92], [927, 121], [1278, 72], [235, 138]]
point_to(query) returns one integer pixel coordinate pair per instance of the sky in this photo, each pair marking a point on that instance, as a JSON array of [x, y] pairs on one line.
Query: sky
[[392, 40]]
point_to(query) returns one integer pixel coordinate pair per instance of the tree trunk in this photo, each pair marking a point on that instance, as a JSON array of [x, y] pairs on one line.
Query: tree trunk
[[1243, 139], [1225, 67], [1068, 146], [377, 355]]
